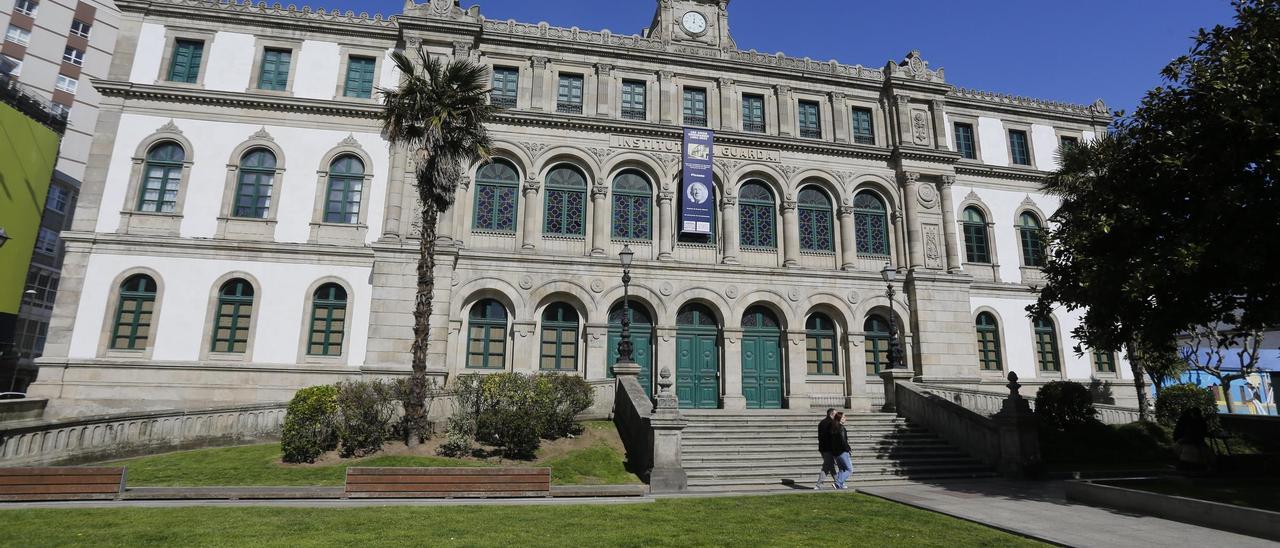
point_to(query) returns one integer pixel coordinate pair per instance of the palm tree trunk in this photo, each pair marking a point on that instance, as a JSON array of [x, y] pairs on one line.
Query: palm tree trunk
[[415, 410], [1139, 380]]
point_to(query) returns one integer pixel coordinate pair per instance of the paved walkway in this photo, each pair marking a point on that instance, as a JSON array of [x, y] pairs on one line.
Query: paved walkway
[[1041, 510]]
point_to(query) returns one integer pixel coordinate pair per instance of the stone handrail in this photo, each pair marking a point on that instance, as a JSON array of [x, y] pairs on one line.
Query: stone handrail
[[974, 432], [989, 403], [632, 410], [88, 439]]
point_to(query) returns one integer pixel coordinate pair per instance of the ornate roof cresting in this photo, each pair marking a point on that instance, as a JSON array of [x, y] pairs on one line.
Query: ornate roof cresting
[[914, 67], [1097, 108]]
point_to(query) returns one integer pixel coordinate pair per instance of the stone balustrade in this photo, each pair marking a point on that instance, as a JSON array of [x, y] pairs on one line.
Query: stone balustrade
[[989, 403]]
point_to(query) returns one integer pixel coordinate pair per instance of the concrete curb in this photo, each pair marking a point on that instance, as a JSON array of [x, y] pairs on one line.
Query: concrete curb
[[1215, 515], [1011, 530]]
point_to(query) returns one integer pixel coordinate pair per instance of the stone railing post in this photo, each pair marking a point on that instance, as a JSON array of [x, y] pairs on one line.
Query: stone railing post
[[891, 377], [1019, 436], [668, 474]]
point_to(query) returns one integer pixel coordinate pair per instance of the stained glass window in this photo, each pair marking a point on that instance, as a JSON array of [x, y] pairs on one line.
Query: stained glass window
[[820, 345], [1047, 345], [696, 315], [559, 338], [497, 195], [233, 318], [870, 225], [988, 342], [976, 249], [876, 342], [161, 177], [1031, 233], [566, 202], [346, 187], [487, 335], [328, 321], [815, 221], [134, 312], [757, 217], [253, 191], [632, 207]]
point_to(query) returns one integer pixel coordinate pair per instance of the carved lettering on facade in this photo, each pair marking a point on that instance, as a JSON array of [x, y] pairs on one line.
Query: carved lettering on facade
[[722, 151]]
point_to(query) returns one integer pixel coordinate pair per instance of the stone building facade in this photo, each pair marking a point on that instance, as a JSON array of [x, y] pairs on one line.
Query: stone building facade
[[246, 231]]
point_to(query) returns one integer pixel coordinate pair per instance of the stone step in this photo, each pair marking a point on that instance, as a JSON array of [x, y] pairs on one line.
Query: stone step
[[812, 445], [743, 484], [809, 453], [802, 437], [886, 419], [807, 472], [770, 461], [765, 430]]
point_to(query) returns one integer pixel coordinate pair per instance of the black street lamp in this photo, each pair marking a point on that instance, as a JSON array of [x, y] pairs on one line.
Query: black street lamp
[[896, 361], [626, 351]]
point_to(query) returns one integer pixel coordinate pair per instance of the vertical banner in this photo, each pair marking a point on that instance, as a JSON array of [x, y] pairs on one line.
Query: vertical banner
[[696, 188]]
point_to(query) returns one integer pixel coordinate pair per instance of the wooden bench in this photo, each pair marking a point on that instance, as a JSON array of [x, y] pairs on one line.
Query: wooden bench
[[448, 482], [61, 483]]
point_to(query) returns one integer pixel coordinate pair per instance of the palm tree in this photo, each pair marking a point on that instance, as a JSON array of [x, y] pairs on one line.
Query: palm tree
[[438, 114]]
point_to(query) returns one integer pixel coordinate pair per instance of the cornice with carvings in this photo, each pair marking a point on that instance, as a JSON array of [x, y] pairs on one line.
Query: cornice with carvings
[[150, 92], [273, 15]]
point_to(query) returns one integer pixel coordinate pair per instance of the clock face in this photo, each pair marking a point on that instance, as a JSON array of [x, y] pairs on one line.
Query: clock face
[[694, 22]]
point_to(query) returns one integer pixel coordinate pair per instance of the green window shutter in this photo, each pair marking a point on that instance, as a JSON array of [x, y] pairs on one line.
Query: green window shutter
[[810, 123], [274, 75], [233, 317], [185, 63], [1019, 149], [964, 141], [360, 77], [633, 100], [863, 133], [328, 321], [753, 113], [134, 312]]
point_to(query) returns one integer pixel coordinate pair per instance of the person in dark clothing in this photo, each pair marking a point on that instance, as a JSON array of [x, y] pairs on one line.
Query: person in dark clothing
[[1189, 433], [839, 445], [824, 447]]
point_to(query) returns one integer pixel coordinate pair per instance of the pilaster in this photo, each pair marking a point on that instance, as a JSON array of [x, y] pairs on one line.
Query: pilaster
[[667, 99], [604, 90], [790, 233], [786, 112], [797, 370], [949, 226], [532, 235], [524, 349], [728, 99], [538, 64], [840, 117], [848, 247], [732, 367], [666, 222], [911, 185], [599, 218], [729, 217]]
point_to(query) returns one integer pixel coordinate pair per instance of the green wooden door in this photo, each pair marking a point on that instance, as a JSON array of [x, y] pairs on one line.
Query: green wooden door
[[761, 359], [641, 338], [697, 358]]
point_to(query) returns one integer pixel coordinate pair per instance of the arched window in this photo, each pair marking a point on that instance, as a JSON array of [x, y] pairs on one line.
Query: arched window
[[696, 315], [976, 249], [815, 221], [254, 186], [1047, 345], [497, 197], [820, 345], [234, 317], [632, 207], [870, 225], [559, 338], [566, 202], [487, 336], [161, 178], [757, 216], [328, 320], [876, 342], [988, 342], [1031, 232], [134, 312], [346, 188]]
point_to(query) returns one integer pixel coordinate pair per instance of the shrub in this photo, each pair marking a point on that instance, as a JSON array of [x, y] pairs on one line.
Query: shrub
[[366, 410], [1175, 400], [570, 395], [512, 413], [1064, 404], [461, 432], [310, 424]]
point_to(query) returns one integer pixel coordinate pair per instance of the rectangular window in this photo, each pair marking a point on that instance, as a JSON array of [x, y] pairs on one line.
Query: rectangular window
[[964, 141], [506, 84], [1019, 149], [67, 84], [753, 113], [820, 353], [184, 65], [360, 77], [634, 99], [17, 35], [73, 56], [569, 100], [14, 66], [59, 109], [80, 28], [43, 287], [47, 242], [1105, 362], [26, 7], [863, 129], [59, 199], [1067, 141], [810, 120], [274, 75], [695, 107]]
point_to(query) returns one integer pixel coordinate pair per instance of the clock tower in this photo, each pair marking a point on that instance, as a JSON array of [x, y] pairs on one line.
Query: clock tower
[[693, 22]]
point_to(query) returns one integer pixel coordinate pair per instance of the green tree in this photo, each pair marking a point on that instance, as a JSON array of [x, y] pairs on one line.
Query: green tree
[[438, 114], [1169, 222]]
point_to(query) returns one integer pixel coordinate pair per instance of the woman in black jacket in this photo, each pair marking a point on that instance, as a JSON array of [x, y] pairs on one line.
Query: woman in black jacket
[[838, 442]]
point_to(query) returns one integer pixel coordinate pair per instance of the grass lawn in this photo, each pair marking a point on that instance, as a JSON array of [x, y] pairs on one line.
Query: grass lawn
[[595, 459], [835, 519], [1252, 492]]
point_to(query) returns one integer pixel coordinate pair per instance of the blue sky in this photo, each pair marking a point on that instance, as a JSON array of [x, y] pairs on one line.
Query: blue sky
[[1074, 51]]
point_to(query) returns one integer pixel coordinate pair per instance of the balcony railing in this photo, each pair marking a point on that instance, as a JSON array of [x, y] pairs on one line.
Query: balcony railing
[[753, 126], [810, 133], [634, 114], [695, 120], [502, 101], [864, 139], [569, 108]]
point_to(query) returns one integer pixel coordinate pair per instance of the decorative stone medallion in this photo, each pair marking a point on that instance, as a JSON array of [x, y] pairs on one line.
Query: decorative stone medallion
[[928, 195], [526, 282], [666, 289], [853, 297], [731, 292], [597, 285], [794, 295]]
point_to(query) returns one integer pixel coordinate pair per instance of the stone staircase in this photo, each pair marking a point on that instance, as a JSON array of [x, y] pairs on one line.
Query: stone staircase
[[757, 450]]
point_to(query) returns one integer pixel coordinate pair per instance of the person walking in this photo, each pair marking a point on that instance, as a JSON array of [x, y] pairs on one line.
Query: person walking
[[824, 447], [839, 440]]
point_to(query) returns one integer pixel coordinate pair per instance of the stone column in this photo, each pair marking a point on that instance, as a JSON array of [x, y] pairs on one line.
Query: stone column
[[524, 346], [532, 215], [599, 219], [904, 118], [395, 193], [790, 233], [939, 124], [900, 236], [848, 245], [786, 116], [666, 224], [604, 90], [911, 185], [728, 117], [667, 475], [797, 370], [667, 99], [949, 223], [539, 65], [840, 117], [732, 367], [729, 228]]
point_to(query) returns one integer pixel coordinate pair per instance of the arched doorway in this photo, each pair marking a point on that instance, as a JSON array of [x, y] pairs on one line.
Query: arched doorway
[[641, 338], [697, 358], [761, 359]]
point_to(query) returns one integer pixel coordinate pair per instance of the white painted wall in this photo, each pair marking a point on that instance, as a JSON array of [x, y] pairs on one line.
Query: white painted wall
[[950, 132], [993, 143], [1044, 145], [187, 299], [214, 143], [230, 62], [146, 60], [389, 76], [317, 74], [1004, 206]]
